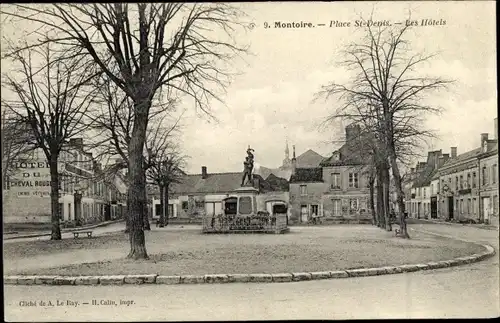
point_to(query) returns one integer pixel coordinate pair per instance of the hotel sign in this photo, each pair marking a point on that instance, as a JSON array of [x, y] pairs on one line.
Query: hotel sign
[[30, 180]]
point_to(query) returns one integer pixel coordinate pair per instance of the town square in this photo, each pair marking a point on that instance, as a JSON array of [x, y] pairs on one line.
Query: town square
[[249, 161]]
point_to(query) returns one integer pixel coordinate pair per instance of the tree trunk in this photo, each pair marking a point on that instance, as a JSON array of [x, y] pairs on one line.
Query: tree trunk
[[136, 193], [380, 199], [386, 181], [399, 195], [54, 199], [372, 200], [167, 215], [147, 225], [162, 205]]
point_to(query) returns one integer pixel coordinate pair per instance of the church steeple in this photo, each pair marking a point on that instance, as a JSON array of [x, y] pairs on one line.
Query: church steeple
[[287, 152], [287, 163]]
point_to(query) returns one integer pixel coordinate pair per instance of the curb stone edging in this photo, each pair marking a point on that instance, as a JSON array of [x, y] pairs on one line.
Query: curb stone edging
[[247, 278]]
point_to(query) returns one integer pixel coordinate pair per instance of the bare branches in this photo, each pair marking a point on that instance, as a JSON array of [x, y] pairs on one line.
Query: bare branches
[[52, 101]]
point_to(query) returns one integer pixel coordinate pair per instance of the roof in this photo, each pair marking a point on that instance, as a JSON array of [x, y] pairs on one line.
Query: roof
[[309, 159], [223, 183], [266, 172], [425, 177], [463, 157], [348, 155], [214, 183], [307, 175]]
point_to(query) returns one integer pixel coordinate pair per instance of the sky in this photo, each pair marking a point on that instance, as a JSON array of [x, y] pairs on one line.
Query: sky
[[271, 99]]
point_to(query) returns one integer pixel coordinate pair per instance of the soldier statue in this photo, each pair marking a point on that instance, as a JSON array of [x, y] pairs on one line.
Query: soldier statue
[[248, 166]]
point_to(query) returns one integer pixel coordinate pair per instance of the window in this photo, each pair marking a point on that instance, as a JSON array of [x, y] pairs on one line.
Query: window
[[474, 201], [425, 192], [456, 183], [437, 188], [469, 201], [494, 174], [474, 180], [335, 181], [158, 209], [353, 205], [315, 209], [336, 207], [485, 175], [69, 212], [468, 181], [353, 180], [245, 205], [185, 205], [461, 205], [495, 204], [461, 181], [303, 189]]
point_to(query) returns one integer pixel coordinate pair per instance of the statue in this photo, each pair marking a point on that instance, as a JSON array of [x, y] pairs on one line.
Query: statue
[[248, 166]]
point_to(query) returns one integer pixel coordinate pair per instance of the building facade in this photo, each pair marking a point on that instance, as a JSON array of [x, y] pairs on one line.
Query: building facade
[[425, 184], [488, 184], [467, 187], [27, 190], [336, 190]]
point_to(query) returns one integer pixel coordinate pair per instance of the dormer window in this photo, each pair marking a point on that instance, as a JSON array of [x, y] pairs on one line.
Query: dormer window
[[485, 146], [336, 156]]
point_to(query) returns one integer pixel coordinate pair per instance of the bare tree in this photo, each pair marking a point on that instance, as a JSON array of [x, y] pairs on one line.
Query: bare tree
[[167, 168], [158, 45], [53, 99], [388, 87]]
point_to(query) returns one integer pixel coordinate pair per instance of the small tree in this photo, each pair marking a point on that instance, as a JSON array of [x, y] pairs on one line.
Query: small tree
[[53, 99]]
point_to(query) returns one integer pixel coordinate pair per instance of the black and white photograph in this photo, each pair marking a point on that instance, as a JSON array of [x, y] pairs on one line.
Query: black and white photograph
[[235, 161]]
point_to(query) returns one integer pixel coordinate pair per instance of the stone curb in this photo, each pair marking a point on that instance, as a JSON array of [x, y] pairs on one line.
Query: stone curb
[[480, 226], [247, 278]]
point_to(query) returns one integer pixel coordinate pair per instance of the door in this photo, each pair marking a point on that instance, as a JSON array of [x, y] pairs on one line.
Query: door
[[450, 207], [486, 209], [303, 213], [419, 205], [433, 208]]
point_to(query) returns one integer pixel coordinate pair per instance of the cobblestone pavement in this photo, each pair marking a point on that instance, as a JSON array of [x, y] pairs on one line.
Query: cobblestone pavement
[[460, 292]]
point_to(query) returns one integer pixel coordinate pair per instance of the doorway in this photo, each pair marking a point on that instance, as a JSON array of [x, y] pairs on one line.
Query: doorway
[[450, 208], [486, 210], [303, 214], [433, 207]]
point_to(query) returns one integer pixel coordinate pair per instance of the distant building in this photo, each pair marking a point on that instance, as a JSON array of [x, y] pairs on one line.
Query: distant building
[[308, 159], [337, 189], [202, 194], [468, 183], [423, 200], [26, 194]]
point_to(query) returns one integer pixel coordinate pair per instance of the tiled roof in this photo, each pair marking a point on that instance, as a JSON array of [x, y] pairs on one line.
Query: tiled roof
[[307, 175]]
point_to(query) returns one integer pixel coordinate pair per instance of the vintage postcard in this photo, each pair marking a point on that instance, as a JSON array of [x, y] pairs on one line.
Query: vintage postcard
[[249, 161]]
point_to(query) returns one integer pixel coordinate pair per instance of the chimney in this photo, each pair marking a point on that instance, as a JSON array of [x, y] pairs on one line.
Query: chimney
[[484, 136], [294, 161], [453, 152], [204, 172], [495, 129]]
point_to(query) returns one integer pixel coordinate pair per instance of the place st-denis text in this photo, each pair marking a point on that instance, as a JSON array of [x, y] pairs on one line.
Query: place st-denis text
[[355, 23]]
